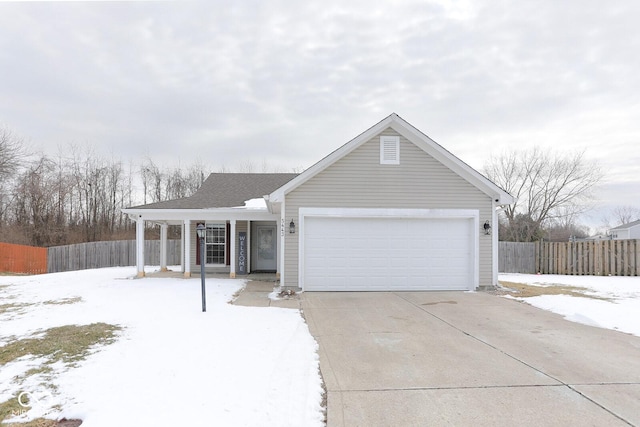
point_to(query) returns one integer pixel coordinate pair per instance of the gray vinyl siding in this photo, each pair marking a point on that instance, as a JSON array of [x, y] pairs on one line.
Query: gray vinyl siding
[[358, 180]]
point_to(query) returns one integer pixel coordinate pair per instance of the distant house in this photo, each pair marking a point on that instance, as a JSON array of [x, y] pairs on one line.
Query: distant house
[[626, 231], [389, 210], [597, 237]]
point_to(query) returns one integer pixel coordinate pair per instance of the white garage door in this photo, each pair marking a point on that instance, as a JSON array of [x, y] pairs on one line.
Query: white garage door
[[382, 254]]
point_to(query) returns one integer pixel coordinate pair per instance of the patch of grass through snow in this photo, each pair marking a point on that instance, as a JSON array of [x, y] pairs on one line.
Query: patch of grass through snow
[[12, 408], [13, 307], [522, 290], [63, 301], [16, 307], [68, 344]]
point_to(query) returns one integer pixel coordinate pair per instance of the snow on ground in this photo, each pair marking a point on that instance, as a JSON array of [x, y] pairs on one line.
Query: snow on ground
[[621, 312], [172, 364]]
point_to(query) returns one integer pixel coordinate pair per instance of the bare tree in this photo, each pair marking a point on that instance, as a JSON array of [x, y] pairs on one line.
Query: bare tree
[[624, 215], [36, 202], [12, 153], [196, 175], [547, 186], [152, 178], [247, 166], [97, 184]]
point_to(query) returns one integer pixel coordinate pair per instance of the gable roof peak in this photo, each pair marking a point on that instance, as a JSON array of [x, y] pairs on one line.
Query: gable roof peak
[[413, 135]]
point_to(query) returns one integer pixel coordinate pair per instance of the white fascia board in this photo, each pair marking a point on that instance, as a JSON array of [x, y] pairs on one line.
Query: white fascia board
[[388, 213], [272, 207], [202, 214], [439, 153], [278, 195]]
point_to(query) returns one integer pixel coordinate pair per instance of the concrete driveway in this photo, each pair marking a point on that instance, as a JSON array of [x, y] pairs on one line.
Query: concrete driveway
[[463, 359]]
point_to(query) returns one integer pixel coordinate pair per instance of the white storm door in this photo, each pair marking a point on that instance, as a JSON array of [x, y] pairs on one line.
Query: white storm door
[[263, 247]]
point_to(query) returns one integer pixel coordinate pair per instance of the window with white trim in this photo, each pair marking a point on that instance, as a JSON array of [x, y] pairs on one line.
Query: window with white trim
[[389, 150], [214, 244]]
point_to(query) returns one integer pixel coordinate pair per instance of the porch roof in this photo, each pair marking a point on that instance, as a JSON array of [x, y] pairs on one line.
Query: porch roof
[[225, 190]]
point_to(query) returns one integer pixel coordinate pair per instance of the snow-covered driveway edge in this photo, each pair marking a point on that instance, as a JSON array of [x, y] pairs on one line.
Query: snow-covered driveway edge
[[619, 310]]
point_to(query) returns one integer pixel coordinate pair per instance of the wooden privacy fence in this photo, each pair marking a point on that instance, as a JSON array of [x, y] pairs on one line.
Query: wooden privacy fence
[[22, 259], [597, 258], [114, 253], [517, 257]]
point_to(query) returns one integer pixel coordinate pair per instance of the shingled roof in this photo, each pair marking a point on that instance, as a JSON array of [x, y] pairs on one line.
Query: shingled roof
[[226, 190], [628, 225]]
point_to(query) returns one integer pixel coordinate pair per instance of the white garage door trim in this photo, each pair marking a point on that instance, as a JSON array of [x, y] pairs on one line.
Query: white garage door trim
[[471, 214]]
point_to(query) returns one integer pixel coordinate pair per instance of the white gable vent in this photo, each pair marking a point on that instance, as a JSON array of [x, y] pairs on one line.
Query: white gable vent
[[389, 150]]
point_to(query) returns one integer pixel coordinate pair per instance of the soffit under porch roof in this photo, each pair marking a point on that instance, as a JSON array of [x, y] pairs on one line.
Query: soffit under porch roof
[[178, 216]]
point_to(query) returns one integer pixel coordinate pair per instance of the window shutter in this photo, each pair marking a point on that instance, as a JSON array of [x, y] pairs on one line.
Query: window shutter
[[389, 150]]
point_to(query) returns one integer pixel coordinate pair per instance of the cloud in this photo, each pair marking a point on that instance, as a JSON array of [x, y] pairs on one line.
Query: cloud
[[291, 81]]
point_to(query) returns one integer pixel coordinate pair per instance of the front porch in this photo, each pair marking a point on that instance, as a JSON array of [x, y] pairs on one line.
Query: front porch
[[240, 246], [244, 233]]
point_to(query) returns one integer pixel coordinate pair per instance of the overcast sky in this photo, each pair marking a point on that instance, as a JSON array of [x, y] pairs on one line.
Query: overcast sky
[[287, 82]]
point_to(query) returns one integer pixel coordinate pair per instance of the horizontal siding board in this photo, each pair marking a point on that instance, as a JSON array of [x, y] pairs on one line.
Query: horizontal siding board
[[359, 181]]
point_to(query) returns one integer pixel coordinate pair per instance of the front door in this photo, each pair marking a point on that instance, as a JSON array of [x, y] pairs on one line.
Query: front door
[[263, 247]]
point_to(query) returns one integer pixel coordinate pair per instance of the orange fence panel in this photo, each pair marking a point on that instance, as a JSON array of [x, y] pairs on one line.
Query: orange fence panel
[[22, 259]]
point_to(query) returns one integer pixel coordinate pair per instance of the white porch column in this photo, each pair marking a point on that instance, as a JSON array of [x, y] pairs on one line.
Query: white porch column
[[232, 257], [187, 248], [279, 240], [163, 247], [280, 272], [140, 246], [248, 247], [182, 259]]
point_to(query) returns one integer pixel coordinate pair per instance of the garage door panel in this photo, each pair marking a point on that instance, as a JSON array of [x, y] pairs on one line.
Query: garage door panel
[[372, 253]]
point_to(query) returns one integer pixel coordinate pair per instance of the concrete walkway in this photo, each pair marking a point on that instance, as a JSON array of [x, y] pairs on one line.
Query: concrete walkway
[[468, 359], [256, 294]]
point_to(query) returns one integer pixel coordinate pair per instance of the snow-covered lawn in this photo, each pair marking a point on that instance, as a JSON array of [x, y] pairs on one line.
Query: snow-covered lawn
[[171, 364], [618, 308]]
